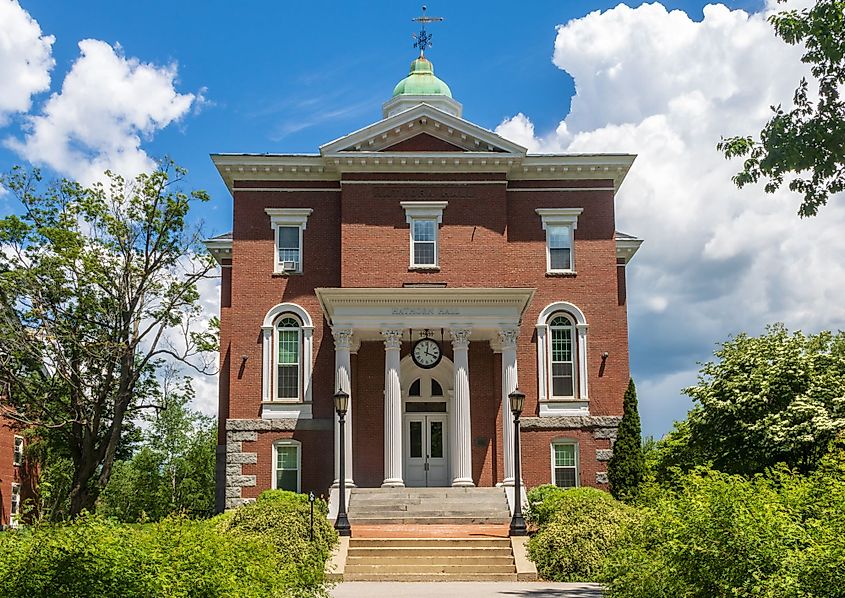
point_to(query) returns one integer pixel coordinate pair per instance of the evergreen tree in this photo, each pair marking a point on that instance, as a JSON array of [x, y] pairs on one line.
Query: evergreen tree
[[626, 469]]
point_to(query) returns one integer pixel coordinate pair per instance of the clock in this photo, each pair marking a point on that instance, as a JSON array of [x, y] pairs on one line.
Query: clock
[[426, 353]]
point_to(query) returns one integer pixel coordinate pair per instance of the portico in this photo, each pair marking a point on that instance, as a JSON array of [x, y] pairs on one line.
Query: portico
[[427, 424]]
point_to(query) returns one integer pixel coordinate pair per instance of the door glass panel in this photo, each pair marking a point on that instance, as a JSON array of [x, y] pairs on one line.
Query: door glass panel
[[425, 407], [416, 439], [436, 429]]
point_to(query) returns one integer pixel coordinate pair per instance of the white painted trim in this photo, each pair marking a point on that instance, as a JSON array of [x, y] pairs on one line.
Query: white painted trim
[[567, 441], [285, 410], [15, 460], [288, 189], [15, 505], [424, 210], [306, 359], [560, 189], [427, 182], [413, 115], [279, 217], [560, 217], [543, 357], [287, 442]]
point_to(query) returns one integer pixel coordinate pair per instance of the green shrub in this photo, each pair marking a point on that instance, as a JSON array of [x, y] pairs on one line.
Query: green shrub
[[258, 550], [777, 535], [578, 527], [96, 557], [542, 503], [281, 519]]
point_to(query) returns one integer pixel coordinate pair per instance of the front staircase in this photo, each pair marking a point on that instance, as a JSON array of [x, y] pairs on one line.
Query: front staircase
[[430, 559], [430, 534], [419, 506]]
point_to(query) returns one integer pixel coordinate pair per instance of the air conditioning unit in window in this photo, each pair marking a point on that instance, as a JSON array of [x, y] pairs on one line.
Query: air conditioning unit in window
[[289, 266]]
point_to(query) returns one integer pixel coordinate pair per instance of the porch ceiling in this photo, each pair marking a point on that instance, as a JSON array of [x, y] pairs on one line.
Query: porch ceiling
[[369, 310]]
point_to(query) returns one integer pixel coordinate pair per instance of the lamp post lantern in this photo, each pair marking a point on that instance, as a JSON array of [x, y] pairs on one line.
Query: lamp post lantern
[[341, 524], [517, 402]]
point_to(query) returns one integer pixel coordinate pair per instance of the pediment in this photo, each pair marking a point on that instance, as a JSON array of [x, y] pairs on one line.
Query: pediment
[[422, 128]]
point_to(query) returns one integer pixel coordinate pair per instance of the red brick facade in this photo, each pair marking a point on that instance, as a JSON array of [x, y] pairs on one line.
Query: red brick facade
[[10, 473], [357, 236]]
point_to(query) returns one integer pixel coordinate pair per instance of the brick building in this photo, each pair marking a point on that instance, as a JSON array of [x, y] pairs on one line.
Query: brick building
[[428, 267], [14, 481]]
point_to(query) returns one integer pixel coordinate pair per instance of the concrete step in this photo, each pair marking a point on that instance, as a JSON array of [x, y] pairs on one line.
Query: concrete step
[[394, 552], [438, 520], [425, 511], [446, 490], [441, 560], [430, 577], [417, 569], [371, 499], [429, 543]]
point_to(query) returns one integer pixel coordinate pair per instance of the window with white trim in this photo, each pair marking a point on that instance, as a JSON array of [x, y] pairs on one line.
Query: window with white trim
[[287, 465], [560, 225], [288, 345], [562, 357], [424, 240], [14, 514], [288, 226], [18, 458], [425, 218], [565, 464], [562, 360]]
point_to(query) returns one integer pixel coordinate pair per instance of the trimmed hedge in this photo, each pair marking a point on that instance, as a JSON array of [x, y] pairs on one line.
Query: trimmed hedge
[[259, 550], [578, 527]]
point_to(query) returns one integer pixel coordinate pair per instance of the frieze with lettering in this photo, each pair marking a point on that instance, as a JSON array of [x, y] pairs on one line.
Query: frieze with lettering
[[425, 311]]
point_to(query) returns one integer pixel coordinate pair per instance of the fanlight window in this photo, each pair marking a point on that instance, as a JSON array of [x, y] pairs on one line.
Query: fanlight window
[[288, 343], [562, 357]]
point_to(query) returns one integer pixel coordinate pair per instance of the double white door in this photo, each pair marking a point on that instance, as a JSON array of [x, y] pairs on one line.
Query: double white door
[[426, 458]]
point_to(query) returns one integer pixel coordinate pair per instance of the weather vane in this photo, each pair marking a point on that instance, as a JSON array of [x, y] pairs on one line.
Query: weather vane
[[423, 37]]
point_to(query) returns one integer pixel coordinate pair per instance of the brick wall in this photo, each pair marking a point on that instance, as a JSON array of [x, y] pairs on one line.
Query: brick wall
[[358, 237]]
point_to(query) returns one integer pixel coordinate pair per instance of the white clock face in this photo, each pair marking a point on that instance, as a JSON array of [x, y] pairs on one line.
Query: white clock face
[[426, 353]]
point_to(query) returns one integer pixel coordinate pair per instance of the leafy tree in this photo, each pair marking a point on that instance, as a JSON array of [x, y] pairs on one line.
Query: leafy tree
[[98, 292], [777, 398], [627, 468], [173, 472], [809, 139]]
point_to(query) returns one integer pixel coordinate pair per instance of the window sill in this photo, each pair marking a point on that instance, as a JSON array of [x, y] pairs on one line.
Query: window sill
[[561, 273], [564, 407], [423, 268], [286, 274], [285, 402]]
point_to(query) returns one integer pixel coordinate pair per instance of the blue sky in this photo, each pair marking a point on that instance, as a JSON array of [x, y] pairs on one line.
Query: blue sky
[[663, 81]]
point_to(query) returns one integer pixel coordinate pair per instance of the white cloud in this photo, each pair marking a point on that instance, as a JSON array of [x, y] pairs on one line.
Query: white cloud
[[108, 104], [25, 59], [716, 260]]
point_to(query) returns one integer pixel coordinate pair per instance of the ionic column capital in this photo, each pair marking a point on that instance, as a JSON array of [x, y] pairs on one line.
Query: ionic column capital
[[392, 338], [460, 338]]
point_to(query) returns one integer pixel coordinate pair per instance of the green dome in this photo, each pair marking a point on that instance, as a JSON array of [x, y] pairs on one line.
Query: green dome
[[421, 81]]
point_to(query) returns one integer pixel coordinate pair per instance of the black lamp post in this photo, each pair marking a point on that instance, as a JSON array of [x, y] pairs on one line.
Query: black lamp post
[[517, 402], [341, 524]]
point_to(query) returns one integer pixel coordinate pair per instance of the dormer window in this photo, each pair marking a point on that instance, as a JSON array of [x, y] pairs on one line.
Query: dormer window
[[425, 218], [288, 225], [560, 225]]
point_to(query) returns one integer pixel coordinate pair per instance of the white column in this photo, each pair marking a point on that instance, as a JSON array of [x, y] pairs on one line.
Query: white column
[[343, 381], [392, 410], [460, 429], [507, 339]]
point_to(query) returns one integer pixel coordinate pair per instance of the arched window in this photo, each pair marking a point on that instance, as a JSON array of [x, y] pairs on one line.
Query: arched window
[[288, 357], [561, 357], [562, 360]]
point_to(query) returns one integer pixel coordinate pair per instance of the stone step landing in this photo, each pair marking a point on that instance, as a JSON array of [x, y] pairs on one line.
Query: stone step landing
[[430, 559], [434, 506]]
